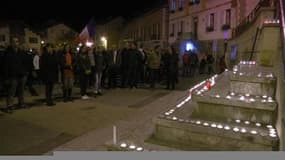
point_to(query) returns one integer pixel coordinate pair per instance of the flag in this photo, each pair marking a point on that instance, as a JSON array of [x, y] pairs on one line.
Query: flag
[[87, 34]]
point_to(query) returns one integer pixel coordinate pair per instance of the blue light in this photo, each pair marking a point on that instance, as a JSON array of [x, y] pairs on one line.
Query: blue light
[[189, 46]]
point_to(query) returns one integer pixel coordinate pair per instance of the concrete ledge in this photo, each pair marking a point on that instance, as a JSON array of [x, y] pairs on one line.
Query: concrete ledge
[[252, 79], [235, 103], [222, 109]]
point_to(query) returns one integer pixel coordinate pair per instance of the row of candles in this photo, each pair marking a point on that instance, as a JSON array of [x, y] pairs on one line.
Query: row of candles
[[131, 147], [208, 84], [245, 98], [271, 131], [236, 70]]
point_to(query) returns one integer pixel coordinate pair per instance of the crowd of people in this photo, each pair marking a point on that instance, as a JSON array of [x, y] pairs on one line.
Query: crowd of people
[[90, 67]]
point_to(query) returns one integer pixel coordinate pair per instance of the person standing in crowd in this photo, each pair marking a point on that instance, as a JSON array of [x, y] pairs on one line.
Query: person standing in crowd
[[203, 62], [172, 67], [106, 66], [210, 63], [154, 60], [28, 68], [186, 63], [163, 65], [193, 63], [84, 69], [222, 64], [114, 67], [124, 66], [92, 62], [36, 64], [49, 71], [133, 65], [13, 68], [2, 54], [99, 68], [67, 65], [141, 65]]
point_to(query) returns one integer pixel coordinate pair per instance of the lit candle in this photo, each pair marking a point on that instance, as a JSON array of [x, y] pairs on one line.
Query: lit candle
[[220, 126], [205, 124], [247, 122], [243, 130], [227, 128], [236, 129]]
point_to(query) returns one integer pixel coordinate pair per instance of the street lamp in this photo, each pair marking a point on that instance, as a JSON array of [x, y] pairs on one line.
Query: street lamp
[[42, 42]]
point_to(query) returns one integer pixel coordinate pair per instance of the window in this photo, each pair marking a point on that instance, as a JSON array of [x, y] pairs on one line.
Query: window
[[211, 23], [153, 29], [158, 31], [172, 29], [33, 40], [181, 27], [227, 20], [173, 5], [212, 20], [2, 38], [228, 17], [181, 4], [193, 2]]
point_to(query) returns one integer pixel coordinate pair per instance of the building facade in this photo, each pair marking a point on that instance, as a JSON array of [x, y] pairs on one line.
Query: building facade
[[4, 35], [32, 40], [149, 29], [205, 25], [108, 34], [59, 34]]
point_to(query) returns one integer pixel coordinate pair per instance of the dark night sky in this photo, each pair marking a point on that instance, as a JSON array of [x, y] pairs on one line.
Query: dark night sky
[[78, 15]]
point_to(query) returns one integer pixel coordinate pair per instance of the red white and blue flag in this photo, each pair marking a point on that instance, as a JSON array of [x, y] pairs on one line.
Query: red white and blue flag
[[88, 33]]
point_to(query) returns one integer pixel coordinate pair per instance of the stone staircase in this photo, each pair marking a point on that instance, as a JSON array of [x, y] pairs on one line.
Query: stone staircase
[[235, 111]]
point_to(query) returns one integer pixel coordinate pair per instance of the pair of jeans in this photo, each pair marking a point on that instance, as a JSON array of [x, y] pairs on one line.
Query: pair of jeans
[[83, 83], [98, 83]]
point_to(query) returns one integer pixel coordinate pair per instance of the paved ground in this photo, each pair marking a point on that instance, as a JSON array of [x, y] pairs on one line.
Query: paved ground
[[85, 125]]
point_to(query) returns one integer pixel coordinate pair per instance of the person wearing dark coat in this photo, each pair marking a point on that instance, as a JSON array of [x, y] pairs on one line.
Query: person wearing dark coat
[[134, 60], [2, 54], [13, 71], [67, 67], [141, 65], [84, 69], [29, 68], [114, 63], [125, 66], [49, 66], [193, 63], [99, 69], [172, 67]]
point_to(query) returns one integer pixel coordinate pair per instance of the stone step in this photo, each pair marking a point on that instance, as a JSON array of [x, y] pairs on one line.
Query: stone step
[[251, 79], [224, 136], [214, 107]]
